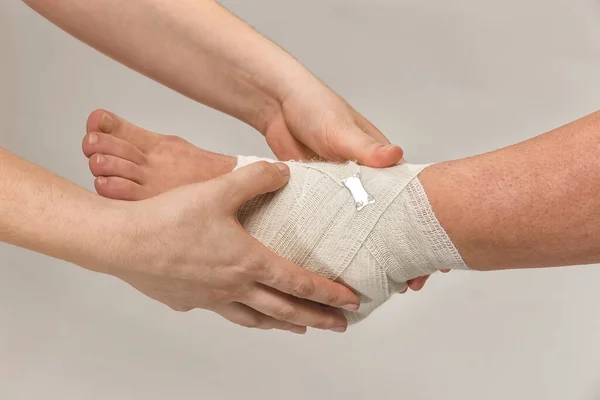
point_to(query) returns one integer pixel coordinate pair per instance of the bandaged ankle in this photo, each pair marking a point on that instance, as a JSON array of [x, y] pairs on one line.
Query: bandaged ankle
[[323, 222]]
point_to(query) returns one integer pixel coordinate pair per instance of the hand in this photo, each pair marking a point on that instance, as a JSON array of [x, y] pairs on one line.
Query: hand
[[189, 251], [314, 122]]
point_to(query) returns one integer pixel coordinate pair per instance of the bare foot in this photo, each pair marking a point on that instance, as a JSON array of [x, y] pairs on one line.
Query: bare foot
[[131, 163]]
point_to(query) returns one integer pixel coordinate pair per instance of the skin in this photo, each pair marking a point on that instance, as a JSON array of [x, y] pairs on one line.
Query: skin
[[174, 247], [531, 205], [201, 50]]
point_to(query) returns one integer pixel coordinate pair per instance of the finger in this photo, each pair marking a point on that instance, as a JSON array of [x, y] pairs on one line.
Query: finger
[[445, 271], [354, 144], [284, 145], [403, 289], [250, 318], [287, 277], [417, 283], [250, 181], [370, 129], [286, 308]]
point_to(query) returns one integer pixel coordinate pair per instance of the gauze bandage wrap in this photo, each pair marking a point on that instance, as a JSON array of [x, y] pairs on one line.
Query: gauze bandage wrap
[[324, 222]]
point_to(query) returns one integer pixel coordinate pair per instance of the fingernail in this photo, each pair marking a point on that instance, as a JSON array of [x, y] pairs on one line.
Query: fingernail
[[100, 159], [107, 123], [101, 180], [339, 329], [351, 307], [298, 330], [285, 170], [93, 138]]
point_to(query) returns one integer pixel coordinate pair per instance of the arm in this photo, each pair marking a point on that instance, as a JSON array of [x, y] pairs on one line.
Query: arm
[[195, 47], [201, 50], [534, 204], [175, 248], [44, 213]]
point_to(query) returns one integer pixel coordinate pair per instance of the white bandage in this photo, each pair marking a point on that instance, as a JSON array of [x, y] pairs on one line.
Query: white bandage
[[315, 222]]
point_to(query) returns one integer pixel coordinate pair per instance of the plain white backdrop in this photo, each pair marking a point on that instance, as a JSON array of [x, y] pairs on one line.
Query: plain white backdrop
[[444, 79]]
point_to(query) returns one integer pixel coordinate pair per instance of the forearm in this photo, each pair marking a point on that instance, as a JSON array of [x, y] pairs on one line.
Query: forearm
[[44, 213], [195, 47], [534, 204]]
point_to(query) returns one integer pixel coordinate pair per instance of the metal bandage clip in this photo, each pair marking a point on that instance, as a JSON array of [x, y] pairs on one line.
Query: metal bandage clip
[[356, 188]]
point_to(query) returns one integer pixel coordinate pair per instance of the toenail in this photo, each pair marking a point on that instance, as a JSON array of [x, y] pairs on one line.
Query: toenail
[[100, 159], [107, 123], [101, 180], [93, 138]]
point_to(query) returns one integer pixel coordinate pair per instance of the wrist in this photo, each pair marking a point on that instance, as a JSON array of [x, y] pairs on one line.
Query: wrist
[[101, 243], [291, 83]]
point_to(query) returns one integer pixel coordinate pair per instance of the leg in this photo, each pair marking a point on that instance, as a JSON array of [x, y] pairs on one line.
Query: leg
[[534, 204]]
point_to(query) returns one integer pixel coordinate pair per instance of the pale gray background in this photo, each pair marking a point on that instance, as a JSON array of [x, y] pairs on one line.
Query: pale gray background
[[444, 79]]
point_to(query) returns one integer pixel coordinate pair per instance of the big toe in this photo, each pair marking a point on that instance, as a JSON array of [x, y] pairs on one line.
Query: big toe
[[100, 121], [106, 122]]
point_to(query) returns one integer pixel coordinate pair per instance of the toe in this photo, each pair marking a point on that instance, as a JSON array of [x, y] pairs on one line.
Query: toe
[[102, 143], [107, 122], [104, 121], [117, 188], [93, 121], [107, 165]]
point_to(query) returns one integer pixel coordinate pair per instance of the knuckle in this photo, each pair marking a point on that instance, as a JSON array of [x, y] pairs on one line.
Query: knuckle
[[302, 287], [267, 172], [332, 298], [333, 125], [231, 189], [285, 313], [253, 268], [263, 167]]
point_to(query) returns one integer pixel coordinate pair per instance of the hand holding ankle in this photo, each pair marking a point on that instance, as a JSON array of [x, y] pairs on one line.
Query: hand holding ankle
[[186, 249], [314, 122]]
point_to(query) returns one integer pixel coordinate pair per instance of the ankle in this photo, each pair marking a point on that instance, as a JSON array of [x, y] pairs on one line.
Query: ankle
[[448, 186]]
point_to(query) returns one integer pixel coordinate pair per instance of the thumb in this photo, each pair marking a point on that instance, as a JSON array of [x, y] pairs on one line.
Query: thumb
[[261, 177], [355, 144]]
